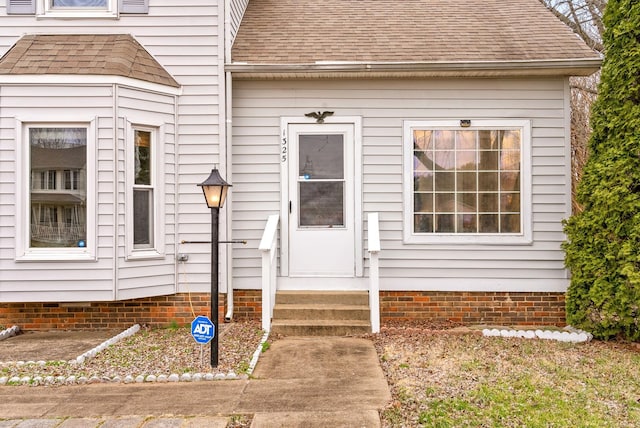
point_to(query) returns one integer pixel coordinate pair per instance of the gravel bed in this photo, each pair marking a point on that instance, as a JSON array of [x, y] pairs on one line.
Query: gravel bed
[[160, 355]]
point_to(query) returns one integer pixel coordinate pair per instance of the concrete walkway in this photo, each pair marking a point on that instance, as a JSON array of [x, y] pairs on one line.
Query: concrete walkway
[[298, 382]]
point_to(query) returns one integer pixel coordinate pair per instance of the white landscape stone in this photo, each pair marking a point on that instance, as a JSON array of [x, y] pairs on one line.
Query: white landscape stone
[[570, 334]]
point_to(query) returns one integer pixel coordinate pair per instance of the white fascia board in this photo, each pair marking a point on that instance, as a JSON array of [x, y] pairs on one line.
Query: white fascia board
[[75, 80]]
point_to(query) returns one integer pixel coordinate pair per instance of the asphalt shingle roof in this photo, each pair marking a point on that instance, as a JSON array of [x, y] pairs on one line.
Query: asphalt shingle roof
[[84, 54], [311, 31]]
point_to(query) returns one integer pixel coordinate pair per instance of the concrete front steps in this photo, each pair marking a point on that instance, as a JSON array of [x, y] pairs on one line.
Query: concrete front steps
[[321, 313]]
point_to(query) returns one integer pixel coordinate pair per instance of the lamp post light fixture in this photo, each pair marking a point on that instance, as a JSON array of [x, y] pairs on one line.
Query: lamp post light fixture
[[215, 193]]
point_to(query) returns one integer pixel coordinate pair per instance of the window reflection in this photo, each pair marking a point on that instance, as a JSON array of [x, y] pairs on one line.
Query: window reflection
[[58, 190], [467, 181]]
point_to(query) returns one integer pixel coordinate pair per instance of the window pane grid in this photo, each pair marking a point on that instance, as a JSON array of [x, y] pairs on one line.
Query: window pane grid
[[467, 181]]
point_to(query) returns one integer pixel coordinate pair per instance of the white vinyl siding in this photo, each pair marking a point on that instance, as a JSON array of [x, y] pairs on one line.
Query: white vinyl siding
[[54, 280], [183, 36], [237, 12], [149, 272], [91, 280], [384, 106]]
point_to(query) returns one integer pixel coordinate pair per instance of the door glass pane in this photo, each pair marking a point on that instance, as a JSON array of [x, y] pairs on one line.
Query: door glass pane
[[58, 192], [321, 203], [321, 157]]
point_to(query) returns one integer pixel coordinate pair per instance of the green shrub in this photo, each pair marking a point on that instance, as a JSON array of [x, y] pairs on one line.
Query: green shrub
[[603, 246]]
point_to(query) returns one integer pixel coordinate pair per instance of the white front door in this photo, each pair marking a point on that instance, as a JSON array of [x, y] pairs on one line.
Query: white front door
[[321, 200]]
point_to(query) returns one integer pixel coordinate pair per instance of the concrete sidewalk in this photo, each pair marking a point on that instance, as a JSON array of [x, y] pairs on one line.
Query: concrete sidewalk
[[298, 382]]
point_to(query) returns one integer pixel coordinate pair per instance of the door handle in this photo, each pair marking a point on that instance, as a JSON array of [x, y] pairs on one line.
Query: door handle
[[290, 207]]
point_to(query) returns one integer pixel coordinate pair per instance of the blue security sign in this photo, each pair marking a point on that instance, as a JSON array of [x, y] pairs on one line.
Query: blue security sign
[[202, 329]]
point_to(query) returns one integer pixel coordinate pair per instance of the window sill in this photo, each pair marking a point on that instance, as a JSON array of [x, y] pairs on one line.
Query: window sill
[[149, 254], [56, 256], [78, 15], [457, 239]]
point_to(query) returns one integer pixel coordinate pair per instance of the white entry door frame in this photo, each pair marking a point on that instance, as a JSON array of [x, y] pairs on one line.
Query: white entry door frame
[[290, 129]]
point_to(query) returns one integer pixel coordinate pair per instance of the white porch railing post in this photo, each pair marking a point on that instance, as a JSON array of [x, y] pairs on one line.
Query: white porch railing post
[[374, 271], [268, 246]]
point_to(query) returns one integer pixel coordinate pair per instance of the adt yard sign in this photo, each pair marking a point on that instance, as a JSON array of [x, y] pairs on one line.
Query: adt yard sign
[[202, 329]]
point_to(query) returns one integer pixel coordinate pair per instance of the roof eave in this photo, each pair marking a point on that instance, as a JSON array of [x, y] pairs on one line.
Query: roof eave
[[346, 69], [87, 79]]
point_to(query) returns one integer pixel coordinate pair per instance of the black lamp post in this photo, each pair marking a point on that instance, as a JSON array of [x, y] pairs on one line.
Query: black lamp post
[[215, 192]]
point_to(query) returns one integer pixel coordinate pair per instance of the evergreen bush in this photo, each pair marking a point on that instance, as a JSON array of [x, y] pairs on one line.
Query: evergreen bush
[[603, 240]]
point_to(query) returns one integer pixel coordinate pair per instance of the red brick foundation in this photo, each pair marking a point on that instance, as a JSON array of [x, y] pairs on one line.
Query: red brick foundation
[[463, 307], [247, 304], [503, 308], [161, 311]]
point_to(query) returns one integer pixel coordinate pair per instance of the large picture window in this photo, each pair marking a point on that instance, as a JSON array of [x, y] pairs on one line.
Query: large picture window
[[58, 187], [466, 181]]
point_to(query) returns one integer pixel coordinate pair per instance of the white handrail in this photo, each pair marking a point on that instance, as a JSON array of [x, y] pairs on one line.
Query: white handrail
[[374, 271], [268, 246]]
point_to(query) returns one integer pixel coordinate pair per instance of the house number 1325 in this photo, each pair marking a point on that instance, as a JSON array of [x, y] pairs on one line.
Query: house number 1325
[[283, 149]]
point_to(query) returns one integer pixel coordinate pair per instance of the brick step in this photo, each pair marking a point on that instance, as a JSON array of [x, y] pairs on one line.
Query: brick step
[[323, 297], [308, 311], [320, 327]]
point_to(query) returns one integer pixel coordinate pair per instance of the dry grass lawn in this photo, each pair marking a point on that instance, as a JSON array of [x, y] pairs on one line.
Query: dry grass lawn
[[441, 379]]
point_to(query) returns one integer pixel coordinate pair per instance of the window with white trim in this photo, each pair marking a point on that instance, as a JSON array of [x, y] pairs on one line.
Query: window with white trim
[[467, 184], [143, 190], [145, 210], [84, 8], [57, 206], [77, 8]]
